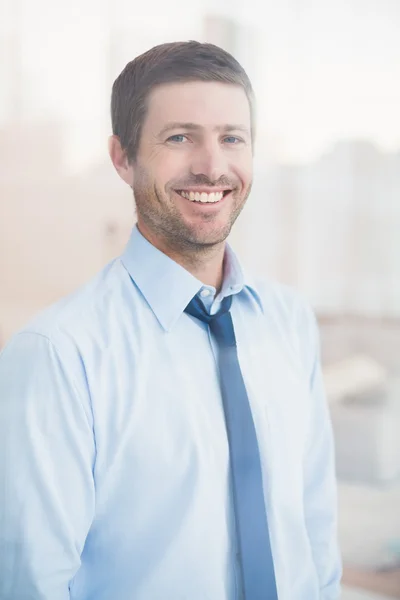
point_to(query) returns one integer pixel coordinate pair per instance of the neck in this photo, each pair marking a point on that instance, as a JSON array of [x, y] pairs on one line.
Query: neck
[[204, 263]]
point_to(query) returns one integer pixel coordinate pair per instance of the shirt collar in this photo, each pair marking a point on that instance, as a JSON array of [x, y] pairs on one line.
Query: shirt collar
[[167, 286]]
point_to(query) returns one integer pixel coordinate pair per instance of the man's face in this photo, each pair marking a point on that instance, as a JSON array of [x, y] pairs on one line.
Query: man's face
[[193, 170]]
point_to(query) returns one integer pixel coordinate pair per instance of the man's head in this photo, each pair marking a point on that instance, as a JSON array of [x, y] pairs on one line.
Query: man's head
[[182, 118]]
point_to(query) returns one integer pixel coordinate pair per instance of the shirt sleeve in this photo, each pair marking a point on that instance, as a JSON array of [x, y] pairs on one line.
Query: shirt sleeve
[[320, 489], [46, 472]]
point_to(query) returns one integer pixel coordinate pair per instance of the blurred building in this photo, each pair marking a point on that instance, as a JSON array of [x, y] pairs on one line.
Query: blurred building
[[330, 228]]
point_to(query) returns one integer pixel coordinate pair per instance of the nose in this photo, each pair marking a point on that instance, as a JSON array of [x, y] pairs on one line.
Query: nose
[[209, 161]]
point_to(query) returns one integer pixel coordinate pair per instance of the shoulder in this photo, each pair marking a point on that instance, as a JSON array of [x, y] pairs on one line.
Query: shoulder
[[54, 347], [81, 315], [284, 303], [291, 315]]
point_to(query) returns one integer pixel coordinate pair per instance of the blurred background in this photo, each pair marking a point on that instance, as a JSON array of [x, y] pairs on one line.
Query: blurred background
[[324, 215]]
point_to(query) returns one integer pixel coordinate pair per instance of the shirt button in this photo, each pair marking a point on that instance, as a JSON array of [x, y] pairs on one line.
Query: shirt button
[[205, 293]]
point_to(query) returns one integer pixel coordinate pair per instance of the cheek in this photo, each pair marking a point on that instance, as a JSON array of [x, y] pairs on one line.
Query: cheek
[[170, 168], [244, 171]]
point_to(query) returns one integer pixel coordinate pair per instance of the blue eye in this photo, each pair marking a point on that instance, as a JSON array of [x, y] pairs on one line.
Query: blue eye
[[231, 139], [177, 139]]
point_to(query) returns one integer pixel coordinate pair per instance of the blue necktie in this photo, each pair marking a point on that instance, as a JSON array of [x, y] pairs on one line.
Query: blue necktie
[[255, 555]]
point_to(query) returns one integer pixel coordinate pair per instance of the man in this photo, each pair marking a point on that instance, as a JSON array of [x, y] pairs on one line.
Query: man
[[164, 432]]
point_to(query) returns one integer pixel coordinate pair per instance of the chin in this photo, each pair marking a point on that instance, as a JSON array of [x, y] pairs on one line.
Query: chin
[[211, 238]]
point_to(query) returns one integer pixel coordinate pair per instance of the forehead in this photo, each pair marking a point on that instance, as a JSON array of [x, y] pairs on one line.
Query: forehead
[[206, 103]]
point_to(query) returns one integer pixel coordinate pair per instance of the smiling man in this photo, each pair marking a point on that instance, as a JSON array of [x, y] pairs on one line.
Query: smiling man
[[164, 433]]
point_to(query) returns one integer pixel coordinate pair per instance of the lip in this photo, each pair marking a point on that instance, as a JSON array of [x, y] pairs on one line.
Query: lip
[[203, 189], [206, 205]]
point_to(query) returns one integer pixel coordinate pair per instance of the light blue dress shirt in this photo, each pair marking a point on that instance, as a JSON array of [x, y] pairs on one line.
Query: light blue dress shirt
[[114, 467]]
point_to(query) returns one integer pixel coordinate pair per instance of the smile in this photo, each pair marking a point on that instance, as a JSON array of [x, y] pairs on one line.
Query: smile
[[203, 197]]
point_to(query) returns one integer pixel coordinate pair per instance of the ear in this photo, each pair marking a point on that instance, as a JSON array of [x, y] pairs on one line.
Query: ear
[[120, 160]]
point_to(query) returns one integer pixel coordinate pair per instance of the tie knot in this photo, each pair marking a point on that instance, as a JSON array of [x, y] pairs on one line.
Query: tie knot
[[220, 324], [196, 309]]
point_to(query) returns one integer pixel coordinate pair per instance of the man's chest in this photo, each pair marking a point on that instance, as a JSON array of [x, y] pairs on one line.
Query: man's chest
[[158, 411]]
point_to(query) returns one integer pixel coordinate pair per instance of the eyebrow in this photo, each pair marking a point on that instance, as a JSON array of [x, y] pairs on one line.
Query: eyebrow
[[195, 127]]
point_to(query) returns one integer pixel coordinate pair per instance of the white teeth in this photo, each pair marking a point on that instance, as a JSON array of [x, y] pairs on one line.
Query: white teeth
[[203, 197]]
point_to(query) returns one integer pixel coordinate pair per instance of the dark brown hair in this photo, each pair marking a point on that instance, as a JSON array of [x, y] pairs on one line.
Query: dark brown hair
[[168, 63]]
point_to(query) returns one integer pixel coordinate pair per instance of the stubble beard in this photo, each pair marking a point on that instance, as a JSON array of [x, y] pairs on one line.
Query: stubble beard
[[163, 219]]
